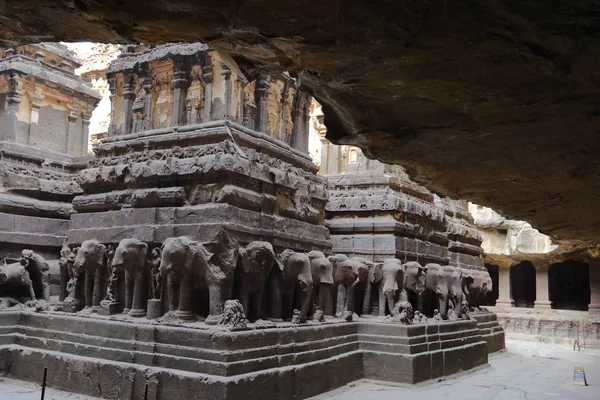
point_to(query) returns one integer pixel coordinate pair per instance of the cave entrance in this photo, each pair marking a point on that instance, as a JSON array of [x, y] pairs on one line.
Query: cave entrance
[[569, 285], [492, 296], [522, 283]]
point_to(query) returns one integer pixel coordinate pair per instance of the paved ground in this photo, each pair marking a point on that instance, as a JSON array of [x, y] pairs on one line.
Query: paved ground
[[530, 371]]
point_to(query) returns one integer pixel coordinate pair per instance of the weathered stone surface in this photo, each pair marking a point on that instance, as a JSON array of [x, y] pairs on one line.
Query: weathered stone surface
[[474, 98]]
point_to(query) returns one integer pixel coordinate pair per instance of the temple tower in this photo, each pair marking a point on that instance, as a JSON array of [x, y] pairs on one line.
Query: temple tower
[[44, 112], [194, 146]]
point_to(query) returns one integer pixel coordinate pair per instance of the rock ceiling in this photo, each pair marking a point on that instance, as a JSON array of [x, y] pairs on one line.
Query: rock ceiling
[[497, 101]]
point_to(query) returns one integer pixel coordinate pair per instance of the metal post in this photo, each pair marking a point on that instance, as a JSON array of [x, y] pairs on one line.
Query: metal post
[[44, 382]]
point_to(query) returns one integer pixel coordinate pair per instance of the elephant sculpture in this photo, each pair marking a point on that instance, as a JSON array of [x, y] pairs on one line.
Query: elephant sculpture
[[479, 288], [90, 261], [415, 279], [38, 274], [184, 263], [293, 273], [393, 287], [349, 273], [454, 278], [322, 274], [467, 281], [220, 273], [15, 281], [130, 257], [435, 283], [375, 281], [255, 262]]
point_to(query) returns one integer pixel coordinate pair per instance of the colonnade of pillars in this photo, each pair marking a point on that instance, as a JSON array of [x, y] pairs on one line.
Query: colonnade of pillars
[[542, 288]]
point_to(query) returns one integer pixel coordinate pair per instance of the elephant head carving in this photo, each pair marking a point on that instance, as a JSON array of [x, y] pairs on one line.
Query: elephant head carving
[[130, 254], [91, 254], [415, 277]]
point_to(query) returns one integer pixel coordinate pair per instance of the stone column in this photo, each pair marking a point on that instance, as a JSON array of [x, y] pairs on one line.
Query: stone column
[[284, 103], [594, 307], [128, 99], [179, 84], [85, 134], [12, 104], [36, 103], [542, 296], [226, 74], [148, 99], [112, 87], [261, 92], [301, 115], [208, 77], [72, 145], [504, 293]]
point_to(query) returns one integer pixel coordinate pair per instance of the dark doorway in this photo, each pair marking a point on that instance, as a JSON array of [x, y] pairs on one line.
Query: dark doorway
[[569, 284], [490, 299], [522, 284]]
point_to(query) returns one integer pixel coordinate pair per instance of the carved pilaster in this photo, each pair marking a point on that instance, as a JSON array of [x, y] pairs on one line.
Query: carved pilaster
[[226, 74], [207, 75], [261, 92], [284, 104], [72, 141], [148, 99], [112, 87], [301, 116], [13, 100], [85, 127], [180, 84], [128, 99]]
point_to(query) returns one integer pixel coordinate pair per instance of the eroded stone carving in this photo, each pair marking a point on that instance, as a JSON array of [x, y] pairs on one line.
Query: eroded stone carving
[[183, 263], [130, 258], [254, 265], [293, 271], [322, 274]]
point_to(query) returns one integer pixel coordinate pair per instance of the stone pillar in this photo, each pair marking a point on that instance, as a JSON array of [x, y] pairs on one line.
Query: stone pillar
[[284, 103], [261, 92], [594, 307], [85, 132], [226, 74], [179, 84], [72, 145], [301, 117], [542, 291], [112, 87], [34, 117], [12, 104], [208, 77], [504, 293], [148, 100], [128, 99]]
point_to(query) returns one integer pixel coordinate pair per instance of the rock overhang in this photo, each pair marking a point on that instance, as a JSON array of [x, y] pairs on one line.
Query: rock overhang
[[495, 102]]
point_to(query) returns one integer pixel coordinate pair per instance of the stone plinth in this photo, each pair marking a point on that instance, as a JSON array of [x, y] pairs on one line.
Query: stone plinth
[[550, 326], [284, 362], [490, 330]]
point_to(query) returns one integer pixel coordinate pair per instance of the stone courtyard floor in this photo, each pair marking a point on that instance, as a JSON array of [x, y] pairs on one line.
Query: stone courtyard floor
[[526, 370], [531, 371]]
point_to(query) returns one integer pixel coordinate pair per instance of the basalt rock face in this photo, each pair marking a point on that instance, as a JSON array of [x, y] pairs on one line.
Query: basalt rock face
[[494, 101]]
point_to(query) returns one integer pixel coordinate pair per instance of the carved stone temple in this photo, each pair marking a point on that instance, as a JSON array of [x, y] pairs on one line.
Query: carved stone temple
[[206, 254], [44, 114]]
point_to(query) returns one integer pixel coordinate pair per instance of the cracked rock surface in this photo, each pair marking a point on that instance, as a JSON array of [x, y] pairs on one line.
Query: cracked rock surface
[[493, 101]]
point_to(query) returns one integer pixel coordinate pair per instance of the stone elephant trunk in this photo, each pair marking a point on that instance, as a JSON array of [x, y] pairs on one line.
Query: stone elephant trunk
[[394, 280], [130, 257]]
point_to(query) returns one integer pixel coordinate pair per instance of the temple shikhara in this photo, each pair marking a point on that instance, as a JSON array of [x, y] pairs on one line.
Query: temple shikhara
[[209, 247]]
